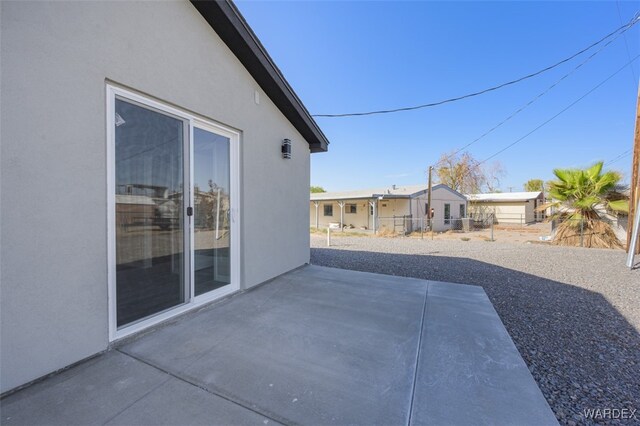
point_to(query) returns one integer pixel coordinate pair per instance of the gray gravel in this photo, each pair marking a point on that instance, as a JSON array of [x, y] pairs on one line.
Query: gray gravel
[[573, 313]]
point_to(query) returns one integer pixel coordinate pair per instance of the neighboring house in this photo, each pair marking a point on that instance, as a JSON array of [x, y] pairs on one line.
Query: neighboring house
[[142, 172], [618, 220], [397, 208], [507, 207]]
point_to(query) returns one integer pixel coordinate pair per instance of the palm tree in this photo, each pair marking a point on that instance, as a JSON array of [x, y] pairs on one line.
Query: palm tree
[[580, 199]]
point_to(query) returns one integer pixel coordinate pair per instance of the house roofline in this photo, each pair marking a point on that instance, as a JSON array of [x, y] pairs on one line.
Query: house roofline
[[225, 19], [448, 188], [472, 199], [317, 197]]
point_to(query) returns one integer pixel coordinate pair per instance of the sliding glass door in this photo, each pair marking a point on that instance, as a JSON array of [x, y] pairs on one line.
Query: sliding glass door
[[173, 235], [212, 230], [150, 243]]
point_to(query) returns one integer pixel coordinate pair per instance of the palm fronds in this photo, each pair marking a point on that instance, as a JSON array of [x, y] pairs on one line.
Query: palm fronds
[[578, 195], [587, 233]]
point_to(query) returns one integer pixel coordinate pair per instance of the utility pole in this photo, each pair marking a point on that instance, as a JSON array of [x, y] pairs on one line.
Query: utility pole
[[429, 199], [634, 194]]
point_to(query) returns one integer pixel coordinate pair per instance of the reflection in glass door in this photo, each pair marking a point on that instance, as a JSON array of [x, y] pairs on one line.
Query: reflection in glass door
[[173, 180], [211, 221], [149, 228]]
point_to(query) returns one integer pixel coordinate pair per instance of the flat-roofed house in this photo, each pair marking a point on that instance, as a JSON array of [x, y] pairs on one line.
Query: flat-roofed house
[[396, 208]]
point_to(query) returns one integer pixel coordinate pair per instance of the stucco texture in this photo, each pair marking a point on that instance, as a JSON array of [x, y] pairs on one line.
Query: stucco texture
[[56, 60]]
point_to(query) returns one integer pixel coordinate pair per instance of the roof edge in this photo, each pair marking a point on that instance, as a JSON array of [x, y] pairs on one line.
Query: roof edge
[[448, 188], [226, 20], [472, 197], [348, 195]]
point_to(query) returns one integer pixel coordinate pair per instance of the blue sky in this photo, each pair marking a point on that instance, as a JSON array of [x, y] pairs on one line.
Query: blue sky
[[345, 57]]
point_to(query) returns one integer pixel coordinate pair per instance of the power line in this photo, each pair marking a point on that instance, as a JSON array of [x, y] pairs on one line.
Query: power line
[[541, 94], [619, 157], [626, 44], [490, 89], [559, 113]]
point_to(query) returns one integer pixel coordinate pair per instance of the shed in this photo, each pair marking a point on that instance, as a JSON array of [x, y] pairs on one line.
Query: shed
[[508, 207]]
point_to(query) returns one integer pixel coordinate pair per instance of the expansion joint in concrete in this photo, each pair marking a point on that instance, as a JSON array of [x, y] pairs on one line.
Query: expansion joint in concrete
[[415, 370], [270, 416]]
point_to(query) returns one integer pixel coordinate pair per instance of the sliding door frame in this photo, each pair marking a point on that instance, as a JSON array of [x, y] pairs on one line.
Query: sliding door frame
[[234, 163], [192, 121]]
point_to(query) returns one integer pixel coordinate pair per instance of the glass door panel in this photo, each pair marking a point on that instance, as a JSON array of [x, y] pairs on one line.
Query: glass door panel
[[150, 243], [211, 189]]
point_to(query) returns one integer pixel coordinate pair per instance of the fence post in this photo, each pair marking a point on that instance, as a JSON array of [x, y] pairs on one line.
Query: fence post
[[328, 237], [491, 228], [581, 232], [422, 228]]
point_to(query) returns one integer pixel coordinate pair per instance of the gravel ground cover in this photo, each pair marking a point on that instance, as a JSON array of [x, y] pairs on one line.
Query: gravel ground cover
[[574, 314]]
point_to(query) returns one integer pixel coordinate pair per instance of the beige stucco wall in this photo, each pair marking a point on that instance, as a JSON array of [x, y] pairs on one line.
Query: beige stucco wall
[[388, 208], [359, 219], [56, 58], [511, 212], [440, 197], [385, 209]]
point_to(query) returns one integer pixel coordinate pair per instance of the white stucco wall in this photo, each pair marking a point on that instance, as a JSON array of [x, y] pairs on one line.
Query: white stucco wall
[[56, 57]]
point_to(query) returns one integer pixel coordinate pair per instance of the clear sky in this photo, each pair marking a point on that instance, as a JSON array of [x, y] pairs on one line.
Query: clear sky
[[343, 57]]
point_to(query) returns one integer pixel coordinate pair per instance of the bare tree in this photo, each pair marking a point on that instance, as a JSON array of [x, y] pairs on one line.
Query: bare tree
[[493, 173], [462, 172]]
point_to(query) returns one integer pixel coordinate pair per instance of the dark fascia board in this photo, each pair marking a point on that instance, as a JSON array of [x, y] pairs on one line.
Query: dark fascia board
[[226, 20]]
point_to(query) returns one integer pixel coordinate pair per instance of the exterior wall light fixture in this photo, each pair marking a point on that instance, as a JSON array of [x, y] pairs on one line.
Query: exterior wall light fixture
[[286, 148]]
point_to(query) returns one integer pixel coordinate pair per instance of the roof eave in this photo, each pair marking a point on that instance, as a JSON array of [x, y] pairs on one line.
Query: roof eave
[[364, 197], [503, 200], [231, 27]]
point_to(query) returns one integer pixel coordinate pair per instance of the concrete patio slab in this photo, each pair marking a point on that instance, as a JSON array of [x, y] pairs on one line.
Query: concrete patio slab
[[89, 394], [323, 350], [179, 403], [469, 371], [314, 346]]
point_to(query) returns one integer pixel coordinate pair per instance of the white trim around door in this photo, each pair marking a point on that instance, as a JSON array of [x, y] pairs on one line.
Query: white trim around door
[[190, 300]]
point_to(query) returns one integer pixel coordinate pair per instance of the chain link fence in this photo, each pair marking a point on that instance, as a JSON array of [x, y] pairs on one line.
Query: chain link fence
[[604, 233], [584, 232]]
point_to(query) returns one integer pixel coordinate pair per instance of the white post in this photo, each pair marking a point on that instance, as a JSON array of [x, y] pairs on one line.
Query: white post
[[329, 237], [634, 237], [375, 217], [373, 206], [341, 204], [317, 204]]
